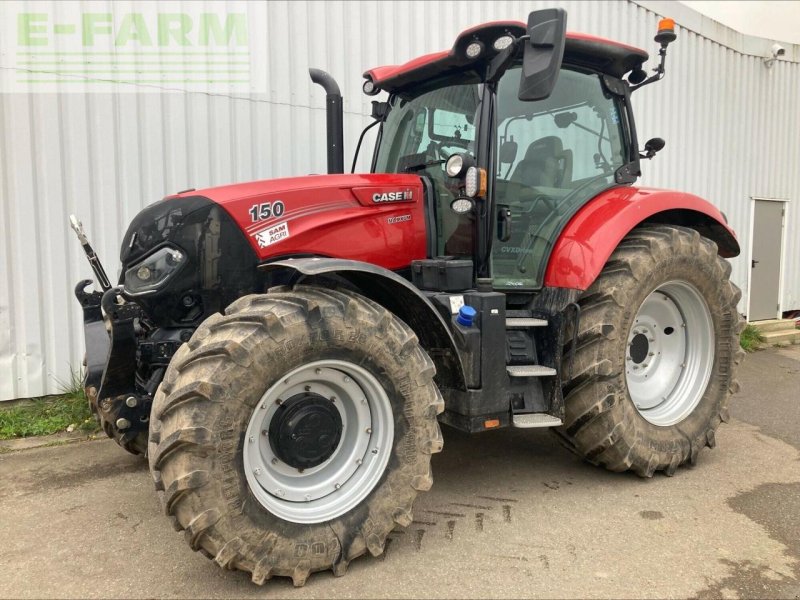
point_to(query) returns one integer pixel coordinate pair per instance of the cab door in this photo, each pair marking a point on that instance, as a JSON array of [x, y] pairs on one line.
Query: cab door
[[553, 156]]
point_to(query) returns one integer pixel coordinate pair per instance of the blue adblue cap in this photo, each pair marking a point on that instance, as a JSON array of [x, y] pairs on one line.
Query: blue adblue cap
[[466, 316]]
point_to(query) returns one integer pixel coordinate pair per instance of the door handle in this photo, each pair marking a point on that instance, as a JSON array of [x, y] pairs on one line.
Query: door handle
[[753, 263]]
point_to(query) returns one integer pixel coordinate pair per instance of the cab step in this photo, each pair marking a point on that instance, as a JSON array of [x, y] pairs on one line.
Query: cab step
[[524, 322], [529, 420], [530, 371]]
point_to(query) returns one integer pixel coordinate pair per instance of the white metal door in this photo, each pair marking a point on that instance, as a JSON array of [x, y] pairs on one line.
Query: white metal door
[[765, 278]]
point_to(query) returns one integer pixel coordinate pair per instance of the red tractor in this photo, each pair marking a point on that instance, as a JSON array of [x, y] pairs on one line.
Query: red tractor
[[284, 351]]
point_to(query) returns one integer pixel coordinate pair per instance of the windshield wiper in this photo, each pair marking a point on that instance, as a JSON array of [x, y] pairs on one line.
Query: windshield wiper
[[422, 165]]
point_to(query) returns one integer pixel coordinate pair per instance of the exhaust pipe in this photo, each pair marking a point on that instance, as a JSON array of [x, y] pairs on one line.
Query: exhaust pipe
[[334, 117]]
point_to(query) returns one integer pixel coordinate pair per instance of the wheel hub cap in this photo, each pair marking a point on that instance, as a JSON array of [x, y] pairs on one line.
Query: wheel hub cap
[[305, 430]]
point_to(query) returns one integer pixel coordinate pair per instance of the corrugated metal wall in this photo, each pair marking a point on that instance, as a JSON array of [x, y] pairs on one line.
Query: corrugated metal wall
[[732, 128]]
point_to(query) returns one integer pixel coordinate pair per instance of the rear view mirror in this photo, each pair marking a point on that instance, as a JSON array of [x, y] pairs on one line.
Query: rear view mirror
[[565, 119], [507, 152], [544, 51], [653, 146]]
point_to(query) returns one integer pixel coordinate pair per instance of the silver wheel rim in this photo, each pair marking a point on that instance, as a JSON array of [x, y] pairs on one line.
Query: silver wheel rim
[[670, 353], [334, 487]]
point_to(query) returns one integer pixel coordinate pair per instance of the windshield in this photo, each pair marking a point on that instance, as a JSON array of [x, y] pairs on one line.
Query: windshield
[[552, 156], [420, 132]]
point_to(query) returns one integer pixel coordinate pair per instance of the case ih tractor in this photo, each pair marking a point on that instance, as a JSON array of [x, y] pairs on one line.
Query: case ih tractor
[[284, 351]]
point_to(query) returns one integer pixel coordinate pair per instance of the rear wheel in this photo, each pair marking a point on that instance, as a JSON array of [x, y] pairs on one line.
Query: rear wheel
[[293, 434], [656, 355]]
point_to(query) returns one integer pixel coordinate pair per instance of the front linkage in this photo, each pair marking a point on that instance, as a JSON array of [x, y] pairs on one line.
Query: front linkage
[[113, 352]]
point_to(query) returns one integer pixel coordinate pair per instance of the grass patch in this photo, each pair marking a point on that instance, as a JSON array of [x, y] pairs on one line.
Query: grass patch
[[53, 414], [751, 339]]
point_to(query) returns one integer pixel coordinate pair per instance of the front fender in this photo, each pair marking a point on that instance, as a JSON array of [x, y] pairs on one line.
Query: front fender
[[592, 234], [400, 297]]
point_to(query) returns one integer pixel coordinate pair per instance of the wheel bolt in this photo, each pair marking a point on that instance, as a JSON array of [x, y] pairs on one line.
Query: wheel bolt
[[333, 398], [131, 401], [347, 379], [264, 432], [374, 450], [338, 485], [307, 388], [274, 461], [359, 461], [278, 402], [251, 439], [318, 371], [257, 471], [650, 354], [368, 430], [280, 492]]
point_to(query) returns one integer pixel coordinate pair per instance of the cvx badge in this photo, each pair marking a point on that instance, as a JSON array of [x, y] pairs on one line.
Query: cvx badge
[[379, 198]]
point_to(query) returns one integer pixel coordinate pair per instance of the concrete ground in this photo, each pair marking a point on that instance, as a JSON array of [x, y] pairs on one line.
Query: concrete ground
[[511, 514]]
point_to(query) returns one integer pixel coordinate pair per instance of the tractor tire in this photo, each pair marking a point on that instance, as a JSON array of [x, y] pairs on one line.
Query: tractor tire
[[244, 480], [656, 355]]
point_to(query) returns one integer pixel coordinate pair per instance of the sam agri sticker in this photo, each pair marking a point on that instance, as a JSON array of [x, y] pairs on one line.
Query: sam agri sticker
[[267, 237]]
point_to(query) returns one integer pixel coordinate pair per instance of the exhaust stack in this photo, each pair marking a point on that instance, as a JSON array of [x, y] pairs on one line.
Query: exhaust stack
[[334, 117]]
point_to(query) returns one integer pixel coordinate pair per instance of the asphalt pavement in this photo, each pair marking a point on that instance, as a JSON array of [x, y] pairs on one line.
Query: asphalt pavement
[[511, 514]]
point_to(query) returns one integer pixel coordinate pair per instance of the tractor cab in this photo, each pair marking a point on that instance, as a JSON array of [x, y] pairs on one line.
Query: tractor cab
[[506, 170]]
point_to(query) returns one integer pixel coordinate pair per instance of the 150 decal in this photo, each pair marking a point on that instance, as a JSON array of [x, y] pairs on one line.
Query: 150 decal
[[266, 210]]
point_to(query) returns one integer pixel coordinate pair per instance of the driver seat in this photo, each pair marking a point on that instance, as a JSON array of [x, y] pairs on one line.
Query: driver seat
[[546, 164]]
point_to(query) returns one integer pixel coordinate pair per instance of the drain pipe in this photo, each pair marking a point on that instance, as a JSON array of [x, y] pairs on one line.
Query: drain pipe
[[334, 117]]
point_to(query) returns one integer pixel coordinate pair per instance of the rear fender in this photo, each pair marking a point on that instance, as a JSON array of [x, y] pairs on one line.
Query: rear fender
[[400, 297], [589, 238]]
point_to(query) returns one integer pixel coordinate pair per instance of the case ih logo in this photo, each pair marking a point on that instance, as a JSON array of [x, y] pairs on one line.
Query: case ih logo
[[392, 197]]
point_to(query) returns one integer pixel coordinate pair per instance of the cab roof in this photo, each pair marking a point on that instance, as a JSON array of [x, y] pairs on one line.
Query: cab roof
[[582, 50]]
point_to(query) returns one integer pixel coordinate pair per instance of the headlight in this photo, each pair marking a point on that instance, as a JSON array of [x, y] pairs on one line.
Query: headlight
[[153, 271], [475, 182], [474, 50], [454, 165], [462, 206], [503, 42]]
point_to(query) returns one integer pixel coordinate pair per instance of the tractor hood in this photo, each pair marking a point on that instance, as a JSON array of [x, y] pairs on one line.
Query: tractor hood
[[220, 235], [340, 216], [375, 218]]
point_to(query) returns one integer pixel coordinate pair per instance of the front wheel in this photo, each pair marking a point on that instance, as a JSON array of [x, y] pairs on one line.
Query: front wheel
[[656, 356], [293, 434]]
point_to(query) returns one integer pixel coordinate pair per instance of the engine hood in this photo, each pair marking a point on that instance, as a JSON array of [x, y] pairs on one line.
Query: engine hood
[[377, 218]]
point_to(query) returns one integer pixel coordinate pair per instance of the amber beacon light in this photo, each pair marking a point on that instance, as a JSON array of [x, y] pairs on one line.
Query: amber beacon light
[[666, 32]]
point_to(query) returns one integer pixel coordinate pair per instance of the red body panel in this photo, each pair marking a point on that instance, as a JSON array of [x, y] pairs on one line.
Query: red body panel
[[381, 75], [596, 229], [341, 216]]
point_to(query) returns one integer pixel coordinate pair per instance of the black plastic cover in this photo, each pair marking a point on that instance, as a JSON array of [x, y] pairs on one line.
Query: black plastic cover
[[221, 265]]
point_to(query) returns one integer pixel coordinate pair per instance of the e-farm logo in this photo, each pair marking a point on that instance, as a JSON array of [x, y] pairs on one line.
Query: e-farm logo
[[158, 44]]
